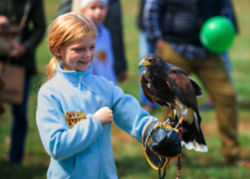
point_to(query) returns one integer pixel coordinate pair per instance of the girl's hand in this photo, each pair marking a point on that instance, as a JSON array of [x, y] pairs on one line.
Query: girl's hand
[[105, 115]]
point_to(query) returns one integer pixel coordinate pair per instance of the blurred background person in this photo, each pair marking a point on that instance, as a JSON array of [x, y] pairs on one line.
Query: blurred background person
[[103, 62], [22, 53], [145, 47], [114, 16], [174, 26], [227, 10]]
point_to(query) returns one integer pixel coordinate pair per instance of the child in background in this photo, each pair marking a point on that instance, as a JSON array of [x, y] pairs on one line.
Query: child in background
[[103, 62], [76, 108]]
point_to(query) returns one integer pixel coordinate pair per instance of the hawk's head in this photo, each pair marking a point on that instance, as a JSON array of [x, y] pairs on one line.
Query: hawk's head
[[153, 61]]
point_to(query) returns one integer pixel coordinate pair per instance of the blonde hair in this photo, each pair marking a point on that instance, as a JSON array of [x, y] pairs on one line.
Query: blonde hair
[[64, 30]]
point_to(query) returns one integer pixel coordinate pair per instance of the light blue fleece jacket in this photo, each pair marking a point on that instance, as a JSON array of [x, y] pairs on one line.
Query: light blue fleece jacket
[[84, 150]]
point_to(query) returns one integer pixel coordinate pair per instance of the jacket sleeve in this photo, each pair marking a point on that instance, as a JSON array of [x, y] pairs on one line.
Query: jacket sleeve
[[37, 18], [60, 141], [227, 10], [65, 6], [128, 114], [116, 31], [152, 12]]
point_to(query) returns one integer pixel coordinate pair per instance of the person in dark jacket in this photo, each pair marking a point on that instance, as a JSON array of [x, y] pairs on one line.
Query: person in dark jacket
[[228, 11], [174, 26], [22, 53]]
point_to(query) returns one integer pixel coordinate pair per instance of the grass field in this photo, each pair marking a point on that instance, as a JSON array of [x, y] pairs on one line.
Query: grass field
[[130, 160]]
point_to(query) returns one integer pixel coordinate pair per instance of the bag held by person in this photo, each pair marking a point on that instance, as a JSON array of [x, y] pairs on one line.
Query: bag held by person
[[11, 83]]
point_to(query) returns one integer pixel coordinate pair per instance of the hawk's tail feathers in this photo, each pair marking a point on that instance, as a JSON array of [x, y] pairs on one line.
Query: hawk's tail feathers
[[195, 146], [192, 136]]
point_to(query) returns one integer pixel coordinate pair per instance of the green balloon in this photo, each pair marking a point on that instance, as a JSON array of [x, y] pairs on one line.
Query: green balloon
[[217, 34]]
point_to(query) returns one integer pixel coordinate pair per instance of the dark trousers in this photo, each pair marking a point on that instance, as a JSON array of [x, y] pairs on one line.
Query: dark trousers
[[19, 127]]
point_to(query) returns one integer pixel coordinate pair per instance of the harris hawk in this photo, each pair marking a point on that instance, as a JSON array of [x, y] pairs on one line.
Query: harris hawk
[[170, 86]]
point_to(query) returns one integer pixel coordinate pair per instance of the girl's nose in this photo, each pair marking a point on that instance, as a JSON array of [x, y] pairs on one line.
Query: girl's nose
[[88, 52]]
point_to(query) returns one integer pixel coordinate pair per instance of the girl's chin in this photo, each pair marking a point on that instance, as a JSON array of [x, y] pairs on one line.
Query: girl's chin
[[83, 68]]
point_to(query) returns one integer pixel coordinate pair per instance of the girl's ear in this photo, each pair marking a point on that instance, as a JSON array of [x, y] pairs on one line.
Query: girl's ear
[[82, 10], [59, 52]]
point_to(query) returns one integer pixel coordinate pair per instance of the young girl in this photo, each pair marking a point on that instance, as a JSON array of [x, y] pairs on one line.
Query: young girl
[[76, 108]]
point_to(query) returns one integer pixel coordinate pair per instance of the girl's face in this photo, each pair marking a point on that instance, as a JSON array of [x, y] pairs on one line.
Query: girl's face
[[78, 55], [96, 11]]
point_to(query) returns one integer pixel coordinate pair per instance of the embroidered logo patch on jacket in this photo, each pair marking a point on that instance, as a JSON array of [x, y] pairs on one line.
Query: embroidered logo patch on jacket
[[101, 55], [73, 117]]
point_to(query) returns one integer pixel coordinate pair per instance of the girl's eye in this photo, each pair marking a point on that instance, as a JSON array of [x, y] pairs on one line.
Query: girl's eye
[[92, 47], [93, 7], [78, 49], [101, 7]]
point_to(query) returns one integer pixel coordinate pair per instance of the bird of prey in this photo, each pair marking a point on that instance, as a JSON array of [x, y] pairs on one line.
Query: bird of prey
[[170, 86]]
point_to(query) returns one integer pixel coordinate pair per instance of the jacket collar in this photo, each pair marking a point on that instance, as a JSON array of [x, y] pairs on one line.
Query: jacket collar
[[74, 77]]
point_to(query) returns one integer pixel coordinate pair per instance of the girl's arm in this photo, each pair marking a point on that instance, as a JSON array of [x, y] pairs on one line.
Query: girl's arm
[[59, 140], [128, 114]]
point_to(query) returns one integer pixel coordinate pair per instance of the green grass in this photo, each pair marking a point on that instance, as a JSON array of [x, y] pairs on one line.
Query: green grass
[[129, 156]]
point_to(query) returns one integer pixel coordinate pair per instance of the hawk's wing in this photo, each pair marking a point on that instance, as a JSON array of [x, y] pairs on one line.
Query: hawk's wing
[[181, 86], [196, 87]]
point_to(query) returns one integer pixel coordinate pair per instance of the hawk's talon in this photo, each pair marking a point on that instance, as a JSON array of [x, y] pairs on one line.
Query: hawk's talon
[[171, 113], [180, 121]]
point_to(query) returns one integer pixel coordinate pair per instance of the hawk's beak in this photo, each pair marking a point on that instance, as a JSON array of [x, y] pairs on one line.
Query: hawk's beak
[[144, 63]]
